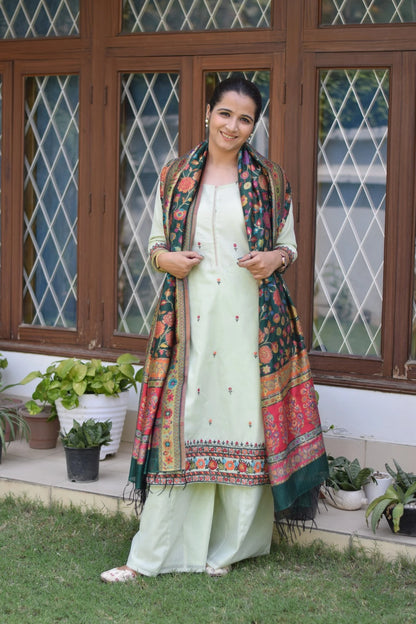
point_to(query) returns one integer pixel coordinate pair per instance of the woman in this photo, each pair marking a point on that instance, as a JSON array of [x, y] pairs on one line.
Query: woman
[[228, 432]]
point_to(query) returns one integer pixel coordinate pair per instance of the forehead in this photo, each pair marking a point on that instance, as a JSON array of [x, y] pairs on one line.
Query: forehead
[[237, 102]]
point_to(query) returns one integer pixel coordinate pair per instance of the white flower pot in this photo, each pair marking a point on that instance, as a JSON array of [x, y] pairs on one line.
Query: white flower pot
[[99, 407], [374, 490], [348, 501]]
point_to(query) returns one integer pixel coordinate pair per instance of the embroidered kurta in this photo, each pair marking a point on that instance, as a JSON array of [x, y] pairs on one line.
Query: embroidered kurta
[[296, 459], [223, 426]]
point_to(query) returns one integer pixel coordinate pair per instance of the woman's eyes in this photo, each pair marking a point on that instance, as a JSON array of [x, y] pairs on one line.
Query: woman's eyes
[[243, 119]]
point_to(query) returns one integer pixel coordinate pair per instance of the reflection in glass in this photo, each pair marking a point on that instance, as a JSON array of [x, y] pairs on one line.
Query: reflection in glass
[[337, 12], [26, 19], [261, 79], [50, 201], [180, 15], [148, 139], [351, 188]]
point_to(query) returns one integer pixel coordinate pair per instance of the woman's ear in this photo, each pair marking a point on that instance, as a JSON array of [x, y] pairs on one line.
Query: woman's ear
[[208, 112]]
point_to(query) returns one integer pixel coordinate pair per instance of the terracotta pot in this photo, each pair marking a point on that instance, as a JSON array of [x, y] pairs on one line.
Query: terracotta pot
[[43, 432]]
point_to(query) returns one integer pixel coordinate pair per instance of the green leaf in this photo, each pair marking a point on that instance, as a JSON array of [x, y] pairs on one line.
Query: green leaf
[[30, 377], [127, 358], [33, 407], [78, 372], [397, 513], [80, 387], [63, 368]]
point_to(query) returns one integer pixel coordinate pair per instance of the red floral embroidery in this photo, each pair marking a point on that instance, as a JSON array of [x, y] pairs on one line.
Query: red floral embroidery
[[265, 354], [186, 184]]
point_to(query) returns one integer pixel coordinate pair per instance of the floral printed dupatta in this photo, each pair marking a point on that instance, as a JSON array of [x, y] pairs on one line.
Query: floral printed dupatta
[[295, 451]]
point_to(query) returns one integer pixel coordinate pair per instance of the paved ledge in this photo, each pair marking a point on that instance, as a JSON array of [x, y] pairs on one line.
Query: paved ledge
[[41, 475]]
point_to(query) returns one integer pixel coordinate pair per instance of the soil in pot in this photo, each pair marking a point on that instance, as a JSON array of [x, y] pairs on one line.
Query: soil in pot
[[82, 464]]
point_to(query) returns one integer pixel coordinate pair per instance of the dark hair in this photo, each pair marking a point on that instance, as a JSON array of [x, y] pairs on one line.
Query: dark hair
[[237, 82]]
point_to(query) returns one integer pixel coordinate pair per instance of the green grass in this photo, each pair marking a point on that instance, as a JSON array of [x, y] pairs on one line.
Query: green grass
[[51, 559]]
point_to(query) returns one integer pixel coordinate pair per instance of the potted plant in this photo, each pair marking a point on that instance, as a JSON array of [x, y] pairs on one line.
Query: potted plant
[[12, 425], [82, 444], [376, 485], [397, 504], [344, 485], [11, 403], [83, 390]]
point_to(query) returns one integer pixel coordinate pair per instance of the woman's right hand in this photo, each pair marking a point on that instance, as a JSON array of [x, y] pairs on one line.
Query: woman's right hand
[[179, 263]]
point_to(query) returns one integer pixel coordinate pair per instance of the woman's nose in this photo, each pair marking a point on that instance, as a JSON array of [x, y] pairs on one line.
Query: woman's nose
[[232, 123]]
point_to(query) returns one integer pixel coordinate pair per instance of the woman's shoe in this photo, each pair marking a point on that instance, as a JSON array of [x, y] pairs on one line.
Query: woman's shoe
[[118, 575], [217, 571]]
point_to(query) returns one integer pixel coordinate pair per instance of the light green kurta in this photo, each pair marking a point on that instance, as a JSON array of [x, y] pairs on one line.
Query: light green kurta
[[223, 429]]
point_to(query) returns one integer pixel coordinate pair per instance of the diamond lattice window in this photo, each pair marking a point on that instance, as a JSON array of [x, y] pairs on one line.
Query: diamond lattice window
[[336, 12], [148, 139], [1, 151], [351, 183], [50, 201], [185, 15], [25, 19]]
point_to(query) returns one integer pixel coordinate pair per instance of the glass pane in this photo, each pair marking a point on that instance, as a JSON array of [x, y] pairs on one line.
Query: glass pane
[[335, 12], [148, 139], [1, 150], [25, 19], [351, 189], [183, 15], [261, 79], [50, 201]]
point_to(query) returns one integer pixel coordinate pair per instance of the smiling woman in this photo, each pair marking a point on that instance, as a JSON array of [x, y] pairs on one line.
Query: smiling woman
[[220, 411]]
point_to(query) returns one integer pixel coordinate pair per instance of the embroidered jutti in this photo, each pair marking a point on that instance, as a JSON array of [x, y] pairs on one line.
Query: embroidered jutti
[[227, 395]]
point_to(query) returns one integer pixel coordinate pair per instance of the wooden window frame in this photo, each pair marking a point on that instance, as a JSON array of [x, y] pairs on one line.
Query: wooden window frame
[[391, 370]]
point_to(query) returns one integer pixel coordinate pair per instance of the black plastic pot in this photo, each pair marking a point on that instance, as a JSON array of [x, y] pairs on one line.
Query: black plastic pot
[[82, 464], [407, 521]]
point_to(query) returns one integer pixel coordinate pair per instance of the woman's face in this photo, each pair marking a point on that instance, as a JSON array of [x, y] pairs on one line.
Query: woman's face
[[231, 121]]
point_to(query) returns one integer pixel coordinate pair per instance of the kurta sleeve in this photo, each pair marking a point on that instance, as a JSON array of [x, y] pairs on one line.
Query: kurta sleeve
[[287, 237], [157, 241]]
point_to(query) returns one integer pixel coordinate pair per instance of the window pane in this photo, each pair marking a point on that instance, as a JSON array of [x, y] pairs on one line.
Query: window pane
[[351, 188], [261, 79], [25, 19], [1, 151], [185, 15], [50, 201], [148, 139], [335, 12]]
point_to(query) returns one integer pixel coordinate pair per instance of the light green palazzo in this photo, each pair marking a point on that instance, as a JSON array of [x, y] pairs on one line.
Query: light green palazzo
[[222, 515]]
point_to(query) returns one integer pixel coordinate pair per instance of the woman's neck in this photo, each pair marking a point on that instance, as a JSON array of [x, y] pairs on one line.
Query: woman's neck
[[220, 169]]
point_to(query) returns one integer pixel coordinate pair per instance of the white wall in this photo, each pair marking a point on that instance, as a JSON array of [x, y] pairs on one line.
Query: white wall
[[381, 416]]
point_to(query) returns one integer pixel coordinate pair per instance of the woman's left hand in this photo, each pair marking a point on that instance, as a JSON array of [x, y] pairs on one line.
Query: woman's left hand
[[261, 264]]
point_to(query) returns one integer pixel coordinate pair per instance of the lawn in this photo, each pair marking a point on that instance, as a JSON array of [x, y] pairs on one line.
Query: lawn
[[51, 559]]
